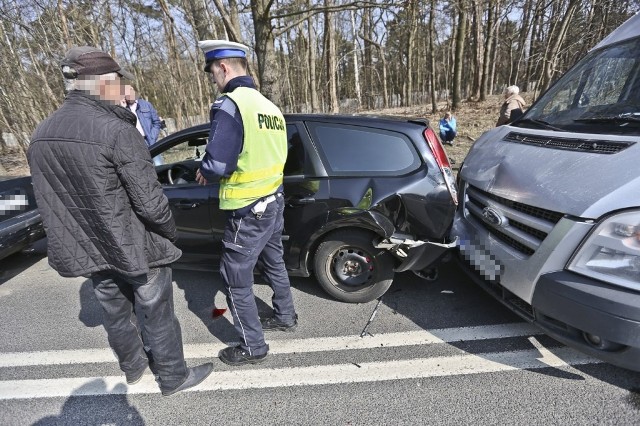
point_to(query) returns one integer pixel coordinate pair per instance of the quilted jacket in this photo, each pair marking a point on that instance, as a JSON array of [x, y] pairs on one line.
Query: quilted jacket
[[98, 193]]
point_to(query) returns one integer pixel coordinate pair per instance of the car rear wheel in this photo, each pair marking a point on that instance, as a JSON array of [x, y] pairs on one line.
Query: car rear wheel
[[351, 269]]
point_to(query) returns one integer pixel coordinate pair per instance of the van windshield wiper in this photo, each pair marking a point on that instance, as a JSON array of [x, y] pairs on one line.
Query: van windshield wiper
[[630, 117], [541, 123]]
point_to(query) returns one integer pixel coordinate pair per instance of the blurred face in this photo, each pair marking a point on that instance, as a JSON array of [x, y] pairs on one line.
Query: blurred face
[[111, 88], [129, 94]]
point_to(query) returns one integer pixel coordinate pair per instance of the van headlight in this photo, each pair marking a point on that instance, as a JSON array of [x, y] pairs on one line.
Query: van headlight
[[611, 253]]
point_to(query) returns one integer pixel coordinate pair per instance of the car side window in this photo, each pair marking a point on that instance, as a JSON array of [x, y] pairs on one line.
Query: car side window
[[181, 161], [359, 151], [296, 156], [185, 150]]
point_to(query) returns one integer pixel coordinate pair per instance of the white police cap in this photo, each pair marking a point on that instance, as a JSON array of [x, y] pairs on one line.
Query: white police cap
[[221, 49]]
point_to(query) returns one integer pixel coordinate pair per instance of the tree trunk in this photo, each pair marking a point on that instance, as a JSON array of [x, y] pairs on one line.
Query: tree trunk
[[356, 68], [412, 16], [313, 81], [534, 52], [64, 25], [330, 52], [479, 47], [459, 59], [492, 12], [432, 57], [367, 66], [523, 49], [268, 72], [556, 38]]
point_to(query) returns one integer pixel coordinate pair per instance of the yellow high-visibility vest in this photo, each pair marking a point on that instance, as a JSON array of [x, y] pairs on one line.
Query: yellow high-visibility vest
[[264, 151]]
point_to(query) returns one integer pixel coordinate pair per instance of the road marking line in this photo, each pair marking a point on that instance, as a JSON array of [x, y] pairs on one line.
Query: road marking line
[[547, 355], [306, 376], [319, 344]]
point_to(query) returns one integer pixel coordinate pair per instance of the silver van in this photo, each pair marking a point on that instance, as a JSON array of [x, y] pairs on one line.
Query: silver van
[[549, 211]]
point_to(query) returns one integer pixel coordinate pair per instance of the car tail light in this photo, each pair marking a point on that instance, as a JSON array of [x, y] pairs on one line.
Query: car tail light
[[443, 162]]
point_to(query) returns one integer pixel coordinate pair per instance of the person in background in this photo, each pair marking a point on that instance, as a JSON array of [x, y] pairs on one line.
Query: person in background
[[107, 219], [512, 107], [448, 129], [149, 123], [247, 150]]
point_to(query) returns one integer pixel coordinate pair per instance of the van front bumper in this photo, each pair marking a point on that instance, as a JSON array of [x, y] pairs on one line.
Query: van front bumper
[[566, 306], [577, 310]]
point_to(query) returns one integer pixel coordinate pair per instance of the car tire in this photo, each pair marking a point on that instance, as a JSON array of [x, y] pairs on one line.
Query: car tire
[[351, 269]]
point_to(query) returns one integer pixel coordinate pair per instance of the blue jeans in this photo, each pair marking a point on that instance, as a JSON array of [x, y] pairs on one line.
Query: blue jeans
[[448, 136], [152, 296], [248, 242]]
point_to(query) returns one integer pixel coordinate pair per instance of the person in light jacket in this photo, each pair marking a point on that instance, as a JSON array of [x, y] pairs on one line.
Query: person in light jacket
[[448, 130], [512, 107]]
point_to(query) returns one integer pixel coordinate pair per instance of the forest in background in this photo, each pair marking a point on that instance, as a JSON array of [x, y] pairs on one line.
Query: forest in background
[[326, 56]]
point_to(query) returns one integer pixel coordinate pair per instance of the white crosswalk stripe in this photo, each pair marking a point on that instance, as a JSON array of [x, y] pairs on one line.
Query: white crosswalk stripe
[[409, 338], [540, 357]]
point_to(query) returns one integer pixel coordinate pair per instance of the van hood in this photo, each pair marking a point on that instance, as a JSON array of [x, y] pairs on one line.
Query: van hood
[[582, 184]]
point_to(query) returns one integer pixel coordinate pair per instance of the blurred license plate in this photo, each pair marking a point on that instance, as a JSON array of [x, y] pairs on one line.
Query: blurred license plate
[[481, 259]]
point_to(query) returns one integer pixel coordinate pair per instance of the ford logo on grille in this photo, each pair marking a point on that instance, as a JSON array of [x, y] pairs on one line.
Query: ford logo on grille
[[494, 217]]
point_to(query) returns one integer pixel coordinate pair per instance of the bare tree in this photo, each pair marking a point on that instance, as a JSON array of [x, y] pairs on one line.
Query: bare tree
[[556, 39], [330, 57], [356, 68], [459, 55]]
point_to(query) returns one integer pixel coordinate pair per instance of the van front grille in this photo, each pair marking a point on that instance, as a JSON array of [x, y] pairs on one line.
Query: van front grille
[[581, 145], [520, 226]]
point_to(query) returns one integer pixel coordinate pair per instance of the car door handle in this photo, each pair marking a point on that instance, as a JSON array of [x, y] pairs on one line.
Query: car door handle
[[301, 201], [185, 205]]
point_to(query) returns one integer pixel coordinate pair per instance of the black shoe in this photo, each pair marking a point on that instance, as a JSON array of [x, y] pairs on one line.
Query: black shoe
[[195, 377], [272, 324], [238, 356], [136, 376]]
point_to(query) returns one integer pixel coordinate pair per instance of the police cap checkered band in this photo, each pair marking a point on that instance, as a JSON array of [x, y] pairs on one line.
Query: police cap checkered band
[[87, 60]]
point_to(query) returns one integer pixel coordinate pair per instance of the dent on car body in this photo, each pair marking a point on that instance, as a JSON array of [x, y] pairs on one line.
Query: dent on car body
[[418, 246]]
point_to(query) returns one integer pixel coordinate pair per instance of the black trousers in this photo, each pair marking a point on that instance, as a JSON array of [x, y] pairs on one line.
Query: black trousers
[[251, 242], [152, 296]]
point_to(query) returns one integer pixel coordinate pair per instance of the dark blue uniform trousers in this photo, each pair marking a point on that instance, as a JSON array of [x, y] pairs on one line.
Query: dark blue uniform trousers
[[152, 296], [248, 242]]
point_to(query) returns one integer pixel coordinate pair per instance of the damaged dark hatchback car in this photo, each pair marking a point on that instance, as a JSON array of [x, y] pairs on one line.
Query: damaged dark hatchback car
[[366, 197]]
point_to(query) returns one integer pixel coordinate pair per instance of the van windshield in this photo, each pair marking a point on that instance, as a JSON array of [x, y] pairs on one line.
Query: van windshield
[[601, 93]]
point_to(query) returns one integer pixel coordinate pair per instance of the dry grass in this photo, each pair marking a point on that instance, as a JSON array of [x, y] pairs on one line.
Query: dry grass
[[474, 118], [13, 162]]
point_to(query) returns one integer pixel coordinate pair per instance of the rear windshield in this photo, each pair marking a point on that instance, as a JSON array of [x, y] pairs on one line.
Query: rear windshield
[[600, 94]]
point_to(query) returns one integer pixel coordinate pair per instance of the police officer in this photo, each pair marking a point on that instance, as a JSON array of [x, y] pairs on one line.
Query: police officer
[[247, 149]]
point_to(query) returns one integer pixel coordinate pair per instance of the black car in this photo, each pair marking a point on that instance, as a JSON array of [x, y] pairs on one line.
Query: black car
[[366, 197], [20, 222]]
